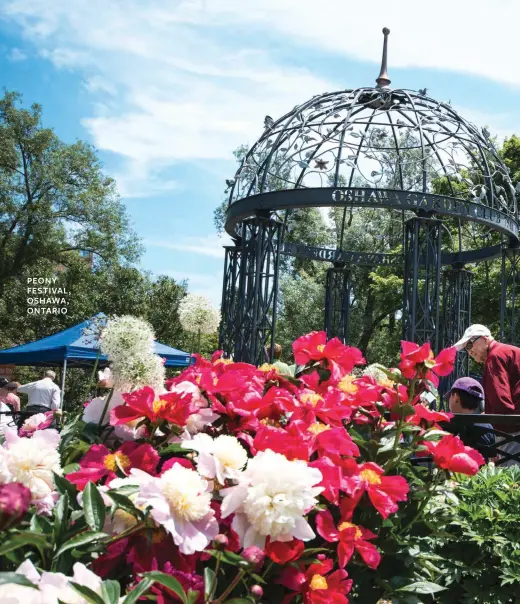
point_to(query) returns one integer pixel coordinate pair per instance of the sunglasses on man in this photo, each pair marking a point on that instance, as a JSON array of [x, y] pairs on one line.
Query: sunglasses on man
[[469, 345]]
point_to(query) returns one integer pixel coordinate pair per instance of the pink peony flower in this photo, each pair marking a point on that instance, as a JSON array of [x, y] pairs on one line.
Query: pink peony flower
[[40, 421]]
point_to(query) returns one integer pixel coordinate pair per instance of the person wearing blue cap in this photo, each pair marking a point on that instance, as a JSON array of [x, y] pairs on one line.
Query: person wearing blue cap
[[466, 396]]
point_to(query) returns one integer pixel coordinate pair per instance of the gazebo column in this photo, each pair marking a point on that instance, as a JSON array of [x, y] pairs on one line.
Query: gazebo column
[[510, 301], [230, 298], [421, 308], [337, 302], [250, 291], [456, 318]]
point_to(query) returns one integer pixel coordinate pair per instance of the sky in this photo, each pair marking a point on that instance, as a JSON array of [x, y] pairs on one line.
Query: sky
[[166, 90]]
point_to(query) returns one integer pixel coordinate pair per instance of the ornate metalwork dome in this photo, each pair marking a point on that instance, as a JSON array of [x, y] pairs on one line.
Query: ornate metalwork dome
[[377, 139]]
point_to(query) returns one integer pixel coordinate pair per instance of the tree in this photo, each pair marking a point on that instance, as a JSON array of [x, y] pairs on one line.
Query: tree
[[55, 200]]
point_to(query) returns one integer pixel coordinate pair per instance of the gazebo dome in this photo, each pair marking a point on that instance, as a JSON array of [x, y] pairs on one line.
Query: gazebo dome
[[378, 138]]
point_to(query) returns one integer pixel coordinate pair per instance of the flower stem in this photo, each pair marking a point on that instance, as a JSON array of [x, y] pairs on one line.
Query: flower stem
[[230, 588], [129, 531], [105, 407], [215, 576]]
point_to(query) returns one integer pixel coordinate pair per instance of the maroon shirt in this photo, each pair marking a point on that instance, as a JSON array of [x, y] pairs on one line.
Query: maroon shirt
[[501, 380]]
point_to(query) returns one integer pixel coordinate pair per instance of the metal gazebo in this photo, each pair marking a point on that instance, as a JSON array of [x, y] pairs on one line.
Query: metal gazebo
[[372, 147]]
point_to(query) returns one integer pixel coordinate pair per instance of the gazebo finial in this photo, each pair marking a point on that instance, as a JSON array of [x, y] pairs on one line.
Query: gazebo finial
[[383, 81]]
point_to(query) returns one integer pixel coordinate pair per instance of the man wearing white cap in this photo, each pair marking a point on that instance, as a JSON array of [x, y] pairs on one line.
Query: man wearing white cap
[[500, 377]]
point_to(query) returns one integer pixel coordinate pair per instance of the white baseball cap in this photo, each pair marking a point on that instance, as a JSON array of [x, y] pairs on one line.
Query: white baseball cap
[[473, 331]]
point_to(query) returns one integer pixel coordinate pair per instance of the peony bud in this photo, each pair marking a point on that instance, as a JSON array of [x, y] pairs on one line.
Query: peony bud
[[257, 592], [321, 557], [15, 499], [254, 555], [220, 542]]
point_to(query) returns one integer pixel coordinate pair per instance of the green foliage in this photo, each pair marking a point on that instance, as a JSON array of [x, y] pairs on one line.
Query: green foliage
[[481, 543]]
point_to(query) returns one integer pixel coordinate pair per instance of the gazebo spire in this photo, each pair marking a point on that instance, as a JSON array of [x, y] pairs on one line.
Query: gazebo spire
[[383, 81]]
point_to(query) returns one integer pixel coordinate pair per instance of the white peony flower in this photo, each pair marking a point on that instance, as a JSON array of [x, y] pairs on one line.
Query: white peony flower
[[197, 314], [221, 458], [53, 588], [32, 462], [198, 421], [196, 394], [180, 502], [271, 499], [92, 412]]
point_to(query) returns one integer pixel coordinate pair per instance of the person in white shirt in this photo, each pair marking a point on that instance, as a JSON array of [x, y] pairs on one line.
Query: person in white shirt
[[44, 395]]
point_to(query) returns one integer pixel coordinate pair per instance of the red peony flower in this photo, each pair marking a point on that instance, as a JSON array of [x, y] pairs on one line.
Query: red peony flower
[[317, 584], [281, 441], [350, 538], [444, 361], [383, 491], [174, 407], [341, 359], [99, 462], [420, 360], [423, 414], [333, 480], [450, 453], [283, 552]]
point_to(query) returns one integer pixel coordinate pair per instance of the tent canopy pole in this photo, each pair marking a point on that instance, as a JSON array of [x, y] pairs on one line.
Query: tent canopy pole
[[63, 374]]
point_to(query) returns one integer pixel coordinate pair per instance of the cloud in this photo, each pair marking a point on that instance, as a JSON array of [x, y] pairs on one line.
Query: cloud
[[177, 81], [211, 245], [165, 91], [15, 55]]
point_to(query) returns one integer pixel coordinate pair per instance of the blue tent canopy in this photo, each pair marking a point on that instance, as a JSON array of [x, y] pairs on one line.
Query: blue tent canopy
[[76, 347]]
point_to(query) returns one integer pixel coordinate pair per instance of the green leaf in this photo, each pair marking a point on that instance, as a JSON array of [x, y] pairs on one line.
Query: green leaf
[[71, 467], [238, 601], [210, 583], [403, 410], [83, 539], [17, 579], [94, 507], [24, 538], [141, 588], [174, 448], [111, 591], [193, 596], [123, 502], [64, 486], [61, 514], [434, 435], [169, 582], [422, 587], [89, 595]]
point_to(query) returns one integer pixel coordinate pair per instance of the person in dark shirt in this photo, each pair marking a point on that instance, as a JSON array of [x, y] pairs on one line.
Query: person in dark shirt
[[467, 397]]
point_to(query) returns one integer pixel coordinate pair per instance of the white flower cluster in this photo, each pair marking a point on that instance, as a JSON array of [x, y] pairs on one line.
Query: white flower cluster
[[32, 462], [270, 498], [197, 314], [374, 371], [128, 343]]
